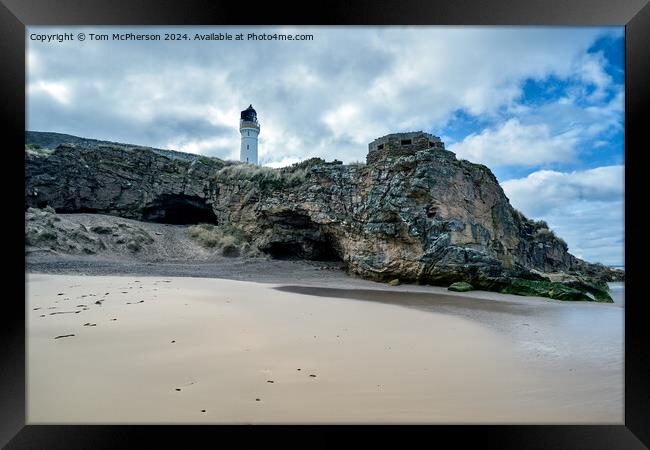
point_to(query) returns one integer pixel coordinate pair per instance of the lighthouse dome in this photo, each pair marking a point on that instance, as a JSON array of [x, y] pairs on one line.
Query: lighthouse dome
[[249, 114]]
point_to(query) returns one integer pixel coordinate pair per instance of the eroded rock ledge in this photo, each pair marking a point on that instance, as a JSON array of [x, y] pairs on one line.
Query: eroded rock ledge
[[424, 218]]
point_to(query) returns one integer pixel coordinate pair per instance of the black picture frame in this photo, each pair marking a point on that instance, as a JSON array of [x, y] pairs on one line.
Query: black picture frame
[[15, 15]]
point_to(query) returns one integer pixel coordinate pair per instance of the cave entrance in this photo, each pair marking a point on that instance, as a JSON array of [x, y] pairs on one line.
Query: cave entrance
[[285, 250], [179, 209], [320, 250], [296, 236]]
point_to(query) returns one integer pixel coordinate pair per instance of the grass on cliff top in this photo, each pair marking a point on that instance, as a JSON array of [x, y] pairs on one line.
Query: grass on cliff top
[[475, 165], [210, 161], [540, 230], [265, 177], [35, 149]]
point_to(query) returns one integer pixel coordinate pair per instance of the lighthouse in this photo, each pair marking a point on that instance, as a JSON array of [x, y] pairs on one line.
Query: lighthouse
[[249, 128]]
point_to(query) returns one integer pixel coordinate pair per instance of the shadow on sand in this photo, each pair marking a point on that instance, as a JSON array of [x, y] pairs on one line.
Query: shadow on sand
[[425, 301]]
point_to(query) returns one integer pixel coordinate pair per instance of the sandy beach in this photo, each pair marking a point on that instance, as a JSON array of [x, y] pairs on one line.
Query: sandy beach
[[155, 349]]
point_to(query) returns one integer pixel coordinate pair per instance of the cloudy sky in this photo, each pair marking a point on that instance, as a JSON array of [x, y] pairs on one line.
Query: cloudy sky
[[542, 107]]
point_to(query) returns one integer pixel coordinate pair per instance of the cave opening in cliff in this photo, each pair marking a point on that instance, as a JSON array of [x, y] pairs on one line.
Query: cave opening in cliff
[[302, 239], [179, 209], [312, 250], [285, 250]]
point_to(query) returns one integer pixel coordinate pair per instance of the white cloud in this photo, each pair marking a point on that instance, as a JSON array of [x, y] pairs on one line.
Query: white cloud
[[58, 91], [583, 207], [551, 133], [591, 70], [515, 144], [548, 190], [205, 146], [285, 162], [334, 94]]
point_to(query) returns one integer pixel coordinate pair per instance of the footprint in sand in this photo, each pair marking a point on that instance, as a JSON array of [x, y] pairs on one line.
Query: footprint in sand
[[63, 336], [186, 385]]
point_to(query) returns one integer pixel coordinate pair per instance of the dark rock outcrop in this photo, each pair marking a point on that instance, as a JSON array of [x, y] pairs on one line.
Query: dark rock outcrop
[[426, 217]]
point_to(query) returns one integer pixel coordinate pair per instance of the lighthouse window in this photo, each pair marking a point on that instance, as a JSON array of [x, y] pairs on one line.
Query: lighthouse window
[[406, 142], [247, 147], [248, 133]]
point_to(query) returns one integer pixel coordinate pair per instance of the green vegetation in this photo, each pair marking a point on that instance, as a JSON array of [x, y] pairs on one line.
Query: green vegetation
[[208, 161], [520, 215], [460, 286], [307, 163], [538, 224], [37, 150], [37, 238], [597, 288], [545, 234], [557, 291], [231, 240], [266, 178], [473, 164]]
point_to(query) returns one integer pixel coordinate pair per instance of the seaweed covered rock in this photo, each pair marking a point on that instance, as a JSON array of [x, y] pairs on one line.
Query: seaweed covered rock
[[554, 290], [460, 286]]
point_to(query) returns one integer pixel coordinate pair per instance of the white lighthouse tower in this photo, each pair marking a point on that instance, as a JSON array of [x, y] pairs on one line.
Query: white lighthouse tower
[[249, 128]]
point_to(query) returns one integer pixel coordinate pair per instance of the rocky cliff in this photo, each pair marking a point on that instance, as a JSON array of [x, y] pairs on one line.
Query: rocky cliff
[[426, 217]]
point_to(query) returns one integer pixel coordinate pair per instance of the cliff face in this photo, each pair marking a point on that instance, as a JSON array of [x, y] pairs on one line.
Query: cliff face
[[426, 217]]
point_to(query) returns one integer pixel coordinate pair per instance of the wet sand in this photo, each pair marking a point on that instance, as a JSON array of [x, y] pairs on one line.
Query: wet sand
[[203, 350]]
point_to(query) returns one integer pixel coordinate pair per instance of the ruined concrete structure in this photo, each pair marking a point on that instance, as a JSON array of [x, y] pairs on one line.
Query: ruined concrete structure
[[400, 144]]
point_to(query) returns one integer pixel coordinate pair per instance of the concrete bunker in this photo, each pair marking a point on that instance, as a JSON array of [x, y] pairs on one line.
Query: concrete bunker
[[401, 144]]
